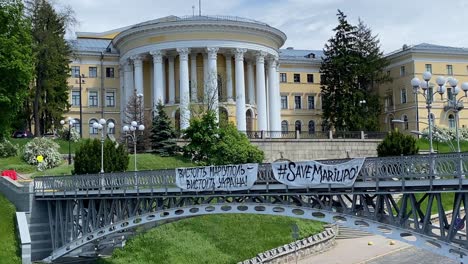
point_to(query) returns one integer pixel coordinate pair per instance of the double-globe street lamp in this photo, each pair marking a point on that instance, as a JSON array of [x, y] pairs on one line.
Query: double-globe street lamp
[[130, 131], [457, 105], [70, 121], [100, 126]]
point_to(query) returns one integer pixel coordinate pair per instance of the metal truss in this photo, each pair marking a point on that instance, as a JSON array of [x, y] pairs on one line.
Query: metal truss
[[76, 222]]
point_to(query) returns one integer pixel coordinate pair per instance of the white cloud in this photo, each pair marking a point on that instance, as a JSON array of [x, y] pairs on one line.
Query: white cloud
[[307, 23]]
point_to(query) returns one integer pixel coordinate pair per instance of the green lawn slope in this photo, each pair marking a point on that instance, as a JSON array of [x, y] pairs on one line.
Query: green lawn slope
[[227, 238]]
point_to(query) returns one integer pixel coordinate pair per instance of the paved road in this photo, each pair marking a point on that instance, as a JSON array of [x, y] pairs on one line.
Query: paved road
[[410, 255]]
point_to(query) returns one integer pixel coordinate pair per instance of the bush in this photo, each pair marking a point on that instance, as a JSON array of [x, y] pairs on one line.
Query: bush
[[211, 144], [45, 147], [397, 143], [7, 149], [63, 134], [88, 157]]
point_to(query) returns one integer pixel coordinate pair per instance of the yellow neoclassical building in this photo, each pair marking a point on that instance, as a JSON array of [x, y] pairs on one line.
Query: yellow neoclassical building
[[233, 64], [399, 100]]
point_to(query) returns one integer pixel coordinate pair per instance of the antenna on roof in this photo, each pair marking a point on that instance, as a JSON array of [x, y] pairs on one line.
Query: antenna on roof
[[199, 7], [193, 10]]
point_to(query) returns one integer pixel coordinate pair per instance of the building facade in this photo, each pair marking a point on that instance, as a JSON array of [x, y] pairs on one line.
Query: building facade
[[399, 100], [230, 64]]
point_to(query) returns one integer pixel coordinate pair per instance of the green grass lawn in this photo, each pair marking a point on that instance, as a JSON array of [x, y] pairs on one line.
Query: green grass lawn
[[156, 162], [211, 239], [10, 250], [442, 147]]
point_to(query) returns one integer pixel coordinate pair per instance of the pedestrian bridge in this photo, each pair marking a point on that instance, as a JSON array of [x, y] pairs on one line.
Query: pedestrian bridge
[[420, 200]]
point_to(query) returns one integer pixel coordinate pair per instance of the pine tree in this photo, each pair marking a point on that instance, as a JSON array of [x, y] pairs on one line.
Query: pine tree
[[52, 54], [15, 62], [162, 133], [353, 64], [337, 81]]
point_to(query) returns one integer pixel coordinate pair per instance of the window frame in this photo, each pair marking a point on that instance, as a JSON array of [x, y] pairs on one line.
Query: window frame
[[297, 103], [110, 70], [74, 70], [90, 97], [309, 102], [403, 96], [285, 101], [402, 70], [113, 99], [428, 69], [75, 95], [94, 75], [310, 78], [283, 77], [297, 78], [449, 68]]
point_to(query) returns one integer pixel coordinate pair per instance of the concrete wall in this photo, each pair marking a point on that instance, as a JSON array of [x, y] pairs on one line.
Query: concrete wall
[[16, 193], [318, 149]]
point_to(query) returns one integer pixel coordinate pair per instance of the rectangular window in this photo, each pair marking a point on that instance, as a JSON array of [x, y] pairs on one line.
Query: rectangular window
[[297, 102], [110, 72], [92, 72], [310, 78], [449, 69], [429, 68], [75, 71], [403, 96], [284, 102], [93, 99], [297, 78], [110, 99], [283, 77], [311, 102], [75, 98], [402, 71], [449, 94]]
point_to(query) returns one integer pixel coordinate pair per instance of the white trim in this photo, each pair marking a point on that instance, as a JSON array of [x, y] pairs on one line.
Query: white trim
[[94, 62], [224, 44], [300, 70]]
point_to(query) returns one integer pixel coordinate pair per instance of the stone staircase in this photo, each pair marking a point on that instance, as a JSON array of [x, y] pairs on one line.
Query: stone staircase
[[349, 233]]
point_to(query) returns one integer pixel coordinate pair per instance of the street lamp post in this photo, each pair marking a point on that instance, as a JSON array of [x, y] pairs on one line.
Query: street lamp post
[[100, 126], [80, 80], [70, 122], [428, 95], [132, 129], [457, 105]]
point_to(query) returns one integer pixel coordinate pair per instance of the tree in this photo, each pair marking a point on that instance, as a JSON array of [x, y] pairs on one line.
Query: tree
[[162, 133], [15, 62], [396, 144], [88, 157], [211, 144], [52, 53], [135, 111], [352, 65]]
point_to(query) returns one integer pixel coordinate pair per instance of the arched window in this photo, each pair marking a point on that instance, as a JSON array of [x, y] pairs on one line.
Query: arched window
[[110, 130], [298, 126], [92, 130], [451, 120], [284, 126], [77, 125], [405, 120], [223, 115], [311, 127], [248, 118]]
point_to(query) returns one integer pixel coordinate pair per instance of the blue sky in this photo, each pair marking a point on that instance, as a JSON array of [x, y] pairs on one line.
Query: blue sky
[[307, 23]]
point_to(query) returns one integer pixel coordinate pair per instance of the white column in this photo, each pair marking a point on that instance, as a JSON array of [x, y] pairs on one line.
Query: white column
[[250, 82], [128, 76], [171, 78], [205, 75], [229, 78], [240, 90], [261, 96], [122, 93], [158, 77], [193, 77], [184, 88], [274, 96], [138, 66], [163, 65], [212, 80]]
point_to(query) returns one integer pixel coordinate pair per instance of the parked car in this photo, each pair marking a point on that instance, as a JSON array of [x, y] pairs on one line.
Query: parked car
[[50, 135], [22, 134]]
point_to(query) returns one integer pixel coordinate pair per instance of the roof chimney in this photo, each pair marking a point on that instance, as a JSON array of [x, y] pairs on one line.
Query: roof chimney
[[290, 48]]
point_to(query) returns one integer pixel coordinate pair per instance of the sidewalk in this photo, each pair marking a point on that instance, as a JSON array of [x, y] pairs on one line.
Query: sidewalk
[[357, 250]]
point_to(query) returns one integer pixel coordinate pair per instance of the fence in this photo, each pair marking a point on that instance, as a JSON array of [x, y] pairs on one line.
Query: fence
[[297, 134]]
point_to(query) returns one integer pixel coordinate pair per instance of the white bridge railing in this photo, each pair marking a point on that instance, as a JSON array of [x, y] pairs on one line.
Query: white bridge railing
[[378, 170]]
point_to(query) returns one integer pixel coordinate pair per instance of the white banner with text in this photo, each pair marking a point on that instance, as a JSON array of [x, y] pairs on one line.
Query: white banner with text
[[309, 173], [222, 178]]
